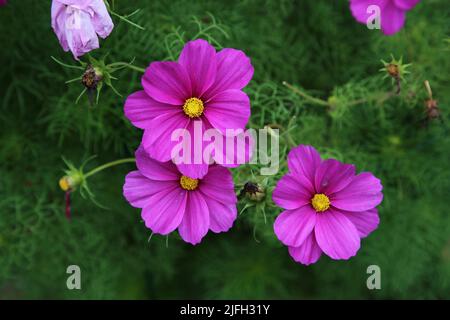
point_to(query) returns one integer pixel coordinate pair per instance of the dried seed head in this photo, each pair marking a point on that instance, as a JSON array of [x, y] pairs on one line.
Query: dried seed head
[[432, 109], [91, 77], [253, 191], [393, 70]]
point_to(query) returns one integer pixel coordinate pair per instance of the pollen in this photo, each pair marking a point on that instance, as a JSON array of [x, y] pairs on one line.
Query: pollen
[[320, 202], [193, 107], [188, 183]]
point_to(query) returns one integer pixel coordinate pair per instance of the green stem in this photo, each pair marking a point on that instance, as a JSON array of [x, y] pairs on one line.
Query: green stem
[[65, 64], [108, 165], [305, 95], [124, 64], [126, 20]]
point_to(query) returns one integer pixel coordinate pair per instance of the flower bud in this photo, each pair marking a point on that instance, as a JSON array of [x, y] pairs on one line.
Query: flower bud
[[70, 182], [395, 68], [91, 77], [253, 191]]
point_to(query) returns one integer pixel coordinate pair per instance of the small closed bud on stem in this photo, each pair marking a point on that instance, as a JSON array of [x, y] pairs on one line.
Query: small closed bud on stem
[[396, 70], [76, 179]]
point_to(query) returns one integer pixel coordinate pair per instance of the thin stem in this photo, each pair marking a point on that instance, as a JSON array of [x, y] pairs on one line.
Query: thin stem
[[124, 64], [108, 165], [66, 65], [126, 20], [305, 95], [379, 97]]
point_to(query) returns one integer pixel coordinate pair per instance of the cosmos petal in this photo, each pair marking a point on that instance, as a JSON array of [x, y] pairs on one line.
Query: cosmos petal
[[292, 227], [195, 223], [336, 235], [308, 253], [198, 58]]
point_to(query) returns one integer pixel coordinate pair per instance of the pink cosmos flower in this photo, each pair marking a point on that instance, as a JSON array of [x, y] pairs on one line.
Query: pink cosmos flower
[[203, 86], [78, 22], [393, 12], [170, 200], [3, 2], [328, 207]]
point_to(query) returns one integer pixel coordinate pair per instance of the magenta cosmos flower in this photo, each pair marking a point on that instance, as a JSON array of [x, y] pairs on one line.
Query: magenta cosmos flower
[[328, 207], [204, 86], [78, 22], [393, 12], [3, 2], [170, 200]]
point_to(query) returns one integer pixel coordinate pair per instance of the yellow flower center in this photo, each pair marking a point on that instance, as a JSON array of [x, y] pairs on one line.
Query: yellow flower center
[[188, 183], [193, 107], [320, 202]]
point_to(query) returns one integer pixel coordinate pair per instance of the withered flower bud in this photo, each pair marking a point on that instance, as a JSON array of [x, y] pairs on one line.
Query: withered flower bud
[[393, 70], [91, 77], [431, 104], [253, 191], [432, 109]]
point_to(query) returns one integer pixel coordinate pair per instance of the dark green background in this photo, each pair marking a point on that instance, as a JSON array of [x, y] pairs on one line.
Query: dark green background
[[315, 45]]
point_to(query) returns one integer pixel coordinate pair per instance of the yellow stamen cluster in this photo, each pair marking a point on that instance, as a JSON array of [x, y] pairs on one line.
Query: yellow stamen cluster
[[193, 107], [188, 183], [320, 202]]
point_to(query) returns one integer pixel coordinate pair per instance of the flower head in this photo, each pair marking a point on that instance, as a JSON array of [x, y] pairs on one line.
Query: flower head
[[328, 207], [203, 86], [171, 200], [392, 12], [78, 23]]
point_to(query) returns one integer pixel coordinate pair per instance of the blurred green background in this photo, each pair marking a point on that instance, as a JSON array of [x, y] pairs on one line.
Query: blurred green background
[[314, 45]]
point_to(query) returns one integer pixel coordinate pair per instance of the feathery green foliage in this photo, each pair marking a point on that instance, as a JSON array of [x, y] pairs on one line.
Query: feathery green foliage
[[319, 50]]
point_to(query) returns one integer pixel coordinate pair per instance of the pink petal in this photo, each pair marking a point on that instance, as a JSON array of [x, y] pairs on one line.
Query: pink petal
[[304, 161], [195, 223], [309, 252], [140, 109], [336, 235], [392, 19], [102, 21], [363, 193], [155, 170], [359, 8], [228, 110], [165, 210], [195, 166], [292, 227], [236, 150], [157, 139], [199, 60], [406, 4], [365, 222], [234, 71], [333, 176], [230, 150], [290, 193], [138, 189], [221, 215], [167, 82], [218, 185], [81, 38]]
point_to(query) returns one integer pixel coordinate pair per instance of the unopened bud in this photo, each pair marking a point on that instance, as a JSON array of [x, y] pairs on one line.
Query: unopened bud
[[70, 182], [393, 70]]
